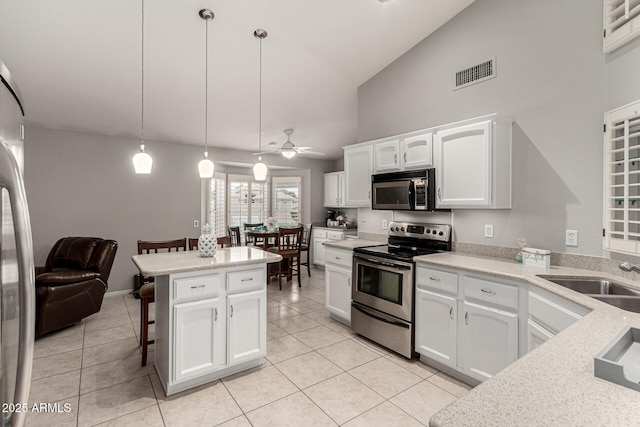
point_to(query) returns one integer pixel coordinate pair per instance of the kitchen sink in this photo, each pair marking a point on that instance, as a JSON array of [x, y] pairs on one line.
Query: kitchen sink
[[601, 289]]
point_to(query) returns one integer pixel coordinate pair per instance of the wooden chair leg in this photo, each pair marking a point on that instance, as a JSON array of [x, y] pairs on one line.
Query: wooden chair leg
[[280, 274], [141, 318], [309, 263], [144, 331], [298, 271]]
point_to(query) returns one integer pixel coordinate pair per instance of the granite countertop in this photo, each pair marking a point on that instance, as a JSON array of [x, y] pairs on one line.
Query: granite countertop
[[179, 262], [350, 243], [553, 384]]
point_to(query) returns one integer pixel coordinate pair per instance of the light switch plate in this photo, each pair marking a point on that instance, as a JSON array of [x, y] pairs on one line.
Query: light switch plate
[[196, 223]]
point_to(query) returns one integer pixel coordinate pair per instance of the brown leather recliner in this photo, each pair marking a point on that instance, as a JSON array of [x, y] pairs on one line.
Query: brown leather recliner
[[73, 282]]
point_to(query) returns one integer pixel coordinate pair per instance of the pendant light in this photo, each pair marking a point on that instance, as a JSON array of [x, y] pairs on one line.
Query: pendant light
[[260, 169], [142, 161], [205, 167]]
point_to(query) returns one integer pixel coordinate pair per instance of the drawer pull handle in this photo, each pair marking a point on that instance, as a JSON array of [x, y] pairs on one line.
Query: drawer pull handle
[[338, 258], [395, 159], [231, 311], [434, 279], [405, 157], [215, 314], [466, 318], [451, 312], [349, 281], [488, 291], [247, 279], [197, 286]]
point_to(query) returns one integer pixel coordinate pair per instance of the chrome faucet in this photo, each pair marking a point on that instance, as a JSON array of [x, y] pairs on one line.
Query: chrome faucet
[[625, 266]]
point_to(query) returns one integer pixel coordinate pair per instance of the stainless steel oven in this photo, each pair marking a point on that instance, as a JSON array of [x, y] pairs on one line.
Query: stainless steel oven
[[382, 307]]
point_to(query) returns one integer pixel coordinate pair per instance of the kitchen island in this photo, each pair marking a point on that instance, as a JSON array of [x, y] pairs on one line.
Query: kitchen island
[[554, 384], [210, 313]]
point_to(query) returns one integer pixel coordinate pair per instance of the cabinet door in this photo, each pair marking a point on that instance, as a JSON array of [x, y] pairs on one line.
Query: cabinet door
[[463, 166], [199, 338], [318, 251], [436, 327], [247, 326], [331, 189], [342, 198], [358, 165], [417, 151], [338, 290], [487, 340], [536, 335], [387, 156]]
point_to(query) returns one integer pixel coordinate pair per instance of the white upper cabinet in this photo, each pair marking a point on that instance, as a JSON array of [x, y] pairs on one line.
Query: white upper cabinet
[[358, 167], [334, 189], [417, 151], [387, 156], [622, 179], [409, 151], [621, 23], [473, 165]]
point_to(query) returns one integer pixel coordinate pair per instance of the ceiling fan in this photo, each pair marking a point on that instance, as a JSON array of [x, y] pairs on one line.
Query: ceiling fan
[[289, 149]]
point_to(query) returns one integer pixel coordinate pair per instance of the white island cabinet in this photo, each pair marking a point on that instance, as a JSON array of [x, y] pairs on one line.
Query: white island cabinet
[[210, 313]]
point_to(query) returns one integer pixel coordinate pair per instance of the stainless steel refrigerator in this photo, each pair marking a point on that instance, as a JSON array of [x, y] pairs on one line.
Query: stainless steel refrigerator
[[17, 292]]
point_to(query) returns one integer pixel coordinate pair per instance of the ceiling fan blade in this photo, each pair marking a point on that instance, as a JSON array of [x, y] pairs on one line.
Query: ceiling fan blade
[[312, 152], [263, 152], [302, 148]]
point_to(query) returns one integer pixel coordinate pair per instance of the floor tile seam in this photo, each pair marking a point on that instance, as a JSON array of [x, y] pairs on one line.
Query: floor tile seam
[[114, 384], [52, 337], [292, 357], [55, 375], [108, 361], [84, 333], [324, 346], [109, 342], [318, 406], [405, 412], [311, 385], [441, 388], [390, 357], [93, 424]]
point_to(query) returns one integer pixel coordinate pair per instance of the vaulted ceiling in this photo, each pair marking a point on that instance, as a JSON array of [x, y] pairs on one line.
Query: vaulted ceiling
[[78, 65]]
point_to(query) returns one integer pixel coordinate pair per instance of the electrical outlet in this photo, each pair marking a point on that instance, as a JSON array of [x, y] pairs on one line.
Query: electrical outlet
[[385, 224], [196, 223], [488, 230], [571, 238]]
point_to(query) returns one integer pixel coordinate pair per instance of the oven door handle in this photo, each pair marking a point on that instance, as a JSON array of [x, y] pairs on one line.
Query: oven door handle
[[384, 319], [377, 261]]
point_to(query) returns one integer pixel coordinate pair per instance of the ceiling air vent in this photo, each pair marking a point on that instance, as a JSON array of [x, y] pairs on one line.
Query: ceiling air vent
[[475, 74]]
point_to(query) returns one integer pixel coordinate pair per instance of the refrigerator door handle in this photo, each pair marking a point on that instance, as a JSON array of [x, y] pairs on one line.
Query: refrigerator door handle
[[11, 179]]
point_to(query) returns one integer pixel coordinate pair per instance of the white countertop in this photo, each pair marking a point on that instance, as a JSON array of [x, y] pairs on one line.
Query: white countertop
[[179, 262], [554, 384], [351, 243]]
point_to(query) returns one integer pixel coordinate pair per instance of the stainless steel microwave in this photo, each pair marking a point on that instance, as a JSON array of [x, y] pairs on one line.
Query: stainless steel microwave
[[408, 191]]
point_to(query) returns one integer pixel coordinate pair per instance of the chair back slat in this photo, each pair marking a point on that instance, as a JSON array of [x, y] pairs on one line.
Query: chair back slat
[[289, 238], [234, 235], [168, 245]]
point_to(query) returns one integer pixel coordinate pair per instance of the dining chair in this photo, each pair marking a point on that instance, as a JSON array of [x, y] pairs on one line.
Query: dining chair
[[306, 244], [257, 241], [234, 234], [148, 288], [289, 241], [222, 242]]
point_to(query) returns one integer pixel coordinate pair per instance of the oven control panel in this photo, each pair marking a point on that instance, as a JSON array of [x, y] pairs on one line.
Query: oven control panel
[[440, 232]]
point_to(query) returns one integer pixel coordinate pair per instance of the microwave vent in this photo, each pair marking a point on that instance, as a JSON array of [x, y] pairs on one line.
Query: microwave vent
[[475, 74]]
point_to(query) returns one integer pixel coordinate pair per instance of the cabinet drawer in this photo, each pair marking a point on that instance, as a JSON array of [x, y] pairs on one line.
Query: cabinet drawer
[[550, 314], [320, 234], [435, 279], [243, 281], [196, 287], [338, 257], [335, 235], [492, 292]]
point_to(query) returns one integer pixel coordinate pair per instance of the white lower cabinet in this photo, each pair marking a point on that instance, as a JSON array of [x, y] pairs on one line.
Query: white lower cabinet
[[200, 338], [247, 326], [487, 340], [437, 316], [337, 279], [536, 335], [215, 325]]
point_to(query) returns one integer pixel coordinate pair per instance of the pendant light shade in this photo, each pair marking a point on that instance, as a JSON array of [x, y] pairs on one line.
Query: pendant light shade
[[288, 152], [205, 166], [142, 161], [260, 169]]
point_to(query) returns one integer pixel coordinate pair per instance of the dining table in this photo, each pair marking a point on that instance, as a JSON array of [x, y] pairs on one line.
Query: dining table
[[265, 234]]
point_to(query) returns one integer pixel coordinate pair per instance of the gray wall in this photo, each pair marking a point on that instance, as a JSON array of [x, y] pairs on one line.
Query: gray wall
[[552, 79], [81, 184]]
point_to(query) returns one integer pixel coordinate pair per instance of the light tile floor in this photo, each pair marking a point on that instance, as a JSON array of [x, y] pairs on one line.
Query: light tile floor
[[316, 372]]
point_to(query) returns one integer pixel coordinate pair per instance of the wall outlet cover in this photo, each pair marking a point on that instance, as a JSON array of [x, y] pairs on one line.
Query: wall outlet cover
[[385, 224], [196, 223], [571, 238], [488, 230]]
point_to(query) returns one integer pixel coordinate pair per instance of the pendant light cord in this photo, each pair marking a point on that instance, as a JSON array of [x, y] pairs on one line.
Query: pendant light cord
[[206, 91], [142, 103], [260, 102]]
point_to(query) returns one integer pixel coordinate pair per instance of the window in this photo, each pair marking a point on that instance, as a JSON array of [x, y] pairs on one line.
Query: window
[[286, 200], [622, 179], [248, 200], [216, 208], [621, 19]]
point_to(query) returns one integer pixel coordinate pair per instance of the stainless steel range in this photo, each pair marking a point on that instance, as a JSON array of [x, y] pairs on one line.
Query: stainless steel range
[[382, 307]]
